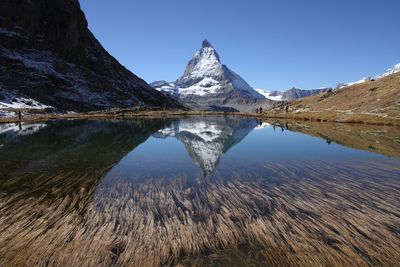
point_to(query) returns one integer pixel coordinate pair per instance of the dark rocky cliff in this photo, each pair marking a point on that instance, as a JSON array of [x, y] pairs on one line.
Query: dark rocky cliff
[[48, 54]]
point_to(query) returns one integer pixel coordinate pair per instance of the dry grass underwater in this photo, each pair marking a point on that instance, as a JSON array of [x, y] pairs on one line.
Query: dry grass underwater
[[314, 214]]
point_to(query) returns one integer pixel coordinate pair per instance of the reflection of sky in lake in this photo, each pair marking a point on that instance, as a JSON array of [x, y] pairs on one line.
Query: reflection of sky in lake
[[191, 149]]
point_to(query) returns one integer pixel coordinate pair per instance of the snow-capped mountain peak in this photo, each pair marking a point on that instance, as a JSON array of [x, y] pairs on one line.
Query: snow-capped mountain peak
[[207, 83], [206, 43], [205, 63]]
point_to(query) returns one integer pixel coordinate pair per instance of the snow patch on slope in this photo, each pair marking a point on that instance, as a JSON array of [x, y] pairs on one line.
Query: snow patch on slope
[[11, 100], [363, 80], [268, 95], [389, 71], [206, 86]]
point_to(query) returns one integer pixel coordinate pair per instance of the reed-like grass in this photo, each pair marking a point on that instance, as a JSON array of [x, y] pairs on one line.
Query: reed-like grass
[[314, 214]]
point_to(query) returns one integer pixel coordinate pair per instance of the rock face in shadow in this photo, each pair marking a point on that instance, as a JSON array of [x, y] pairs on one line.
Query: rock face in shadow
[[206, 139], [48, 54]]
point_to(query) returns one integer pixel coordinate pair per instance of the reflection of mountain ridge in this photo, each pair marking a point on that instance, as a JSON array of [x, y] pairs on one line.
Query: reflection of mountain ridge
[[207, 138], [379, 139], [74, 149]]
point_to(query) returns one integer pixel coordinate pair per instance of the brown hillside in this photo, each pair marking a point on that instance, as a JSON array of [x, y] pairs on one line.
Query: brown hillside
[[370, 102]]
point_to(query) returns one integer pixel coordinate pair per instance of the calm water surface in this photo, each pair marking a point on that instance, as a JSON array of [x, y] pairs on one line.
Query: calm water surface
[[221, 191]]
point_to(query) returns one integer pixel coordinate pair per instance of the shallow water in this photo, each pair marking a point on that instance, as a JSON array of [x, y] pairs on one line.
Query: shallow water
[[199, 191]]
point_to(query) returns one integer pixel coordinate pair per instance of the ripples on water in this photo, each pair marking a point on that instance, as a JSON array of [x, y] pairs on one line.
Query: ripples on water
[[199, 191]]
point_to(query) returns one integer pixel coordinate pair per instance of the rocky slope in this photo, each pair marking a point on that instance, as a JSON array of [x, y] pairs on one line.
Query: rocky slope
[[48, 55], [392, 70], [374, 101], [208, 84], [297, 93]]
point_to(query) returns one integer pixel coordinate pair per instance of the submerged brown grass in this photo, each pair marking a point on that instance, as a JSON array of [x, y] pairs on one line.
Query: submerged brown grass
[[293, 215]]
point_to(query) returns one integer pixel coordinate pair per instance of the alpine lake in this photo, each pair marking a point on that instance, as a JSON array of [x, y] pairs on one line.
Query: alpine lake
[[199, 191]]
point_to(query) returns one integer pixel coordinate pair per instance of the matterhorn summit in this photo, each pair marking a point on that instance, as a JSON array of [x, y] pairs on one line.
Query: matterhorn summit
[[209, 84], [204, 64]]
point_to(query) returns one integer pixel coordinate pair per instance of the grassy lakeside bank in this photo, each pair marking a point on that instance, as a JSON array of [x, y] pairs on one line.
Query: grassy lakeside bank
[[309, 116], [127, 113], [108, 114]]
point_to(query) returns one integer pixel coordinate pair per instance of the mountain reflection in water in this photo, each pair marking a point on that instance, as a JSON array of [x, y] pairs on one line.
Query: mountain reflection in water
[[207, 139], [199, 191]]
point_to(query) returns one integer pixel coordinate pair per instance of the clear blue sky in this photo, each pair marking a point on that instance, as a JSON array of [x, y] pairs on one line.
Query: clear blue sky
[[271, 44]]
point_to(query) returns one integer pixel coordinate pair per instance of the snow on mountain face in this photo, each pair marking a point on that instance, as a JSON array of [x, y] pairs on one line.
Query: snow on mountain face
[[166, 87], [291, 94], [10, 99], [206, 81], [205, 74], [363, 80], [205, 63], [206, 86], [269, 95], [389, 71]]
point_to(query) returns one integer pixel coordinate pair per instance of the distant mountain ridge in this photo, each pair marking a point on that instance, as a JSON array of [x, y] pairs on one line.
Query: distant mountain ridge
[[207, 83], [297, 93], [376, 101], [291, 94], [49, 57]]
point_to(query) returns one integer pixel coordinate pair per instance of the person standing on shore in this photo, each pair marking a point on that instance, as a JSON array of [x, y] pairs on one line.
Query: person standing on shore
[[19, 115]]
